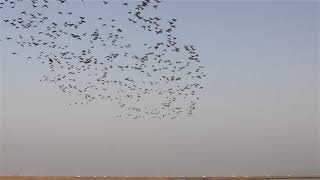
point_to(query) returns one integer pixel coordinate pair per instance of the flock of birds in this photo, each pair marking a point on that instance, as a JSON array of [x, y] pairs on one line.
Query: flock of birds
[[94, 60]]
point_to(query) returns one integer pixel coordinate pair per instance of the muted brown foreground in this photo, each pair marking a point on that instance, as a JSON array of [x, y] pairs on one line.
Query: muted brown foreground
[[154, 178]]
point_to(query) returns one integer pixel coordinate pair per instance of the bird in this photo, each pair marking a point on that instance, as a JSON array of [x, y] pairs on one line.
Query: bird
[[166, 68]]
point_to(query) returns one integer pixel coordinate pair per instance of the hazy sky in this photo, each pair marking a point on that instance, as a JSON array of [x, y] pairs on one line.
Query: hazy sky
[[258, 114]]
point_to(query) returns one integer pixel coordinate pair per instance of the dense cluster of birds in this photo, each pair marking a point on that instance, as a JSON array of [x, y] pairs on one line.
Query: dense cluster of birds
[[94, 59]]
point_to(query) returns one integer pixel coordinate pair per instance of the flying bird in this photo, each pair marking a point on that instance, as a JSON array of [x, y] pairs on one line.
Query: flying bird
[[86, 55]]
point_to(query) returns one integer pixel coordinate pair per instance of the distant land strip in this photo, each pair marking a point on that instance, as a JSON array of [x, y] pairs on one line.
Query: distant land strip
[[153, 178]]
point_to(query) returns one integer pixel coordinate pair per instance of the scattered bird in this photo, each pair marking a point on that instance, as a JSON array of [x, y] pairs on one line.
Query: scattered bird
[[170, 71]]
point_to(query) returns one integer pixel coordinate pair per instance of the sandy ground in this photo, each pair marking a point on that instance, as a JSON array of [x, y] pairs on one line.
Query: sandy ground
[[149, 178]]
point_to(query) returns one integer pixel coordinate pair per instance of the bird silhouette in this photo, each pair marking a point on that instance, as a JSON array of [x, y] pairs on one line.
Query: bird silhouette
[[166, 70]]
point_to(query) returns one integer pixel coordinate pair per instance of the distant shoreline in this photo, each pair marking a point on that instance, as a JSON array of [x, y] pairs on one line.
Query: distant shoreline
[[152, 178]]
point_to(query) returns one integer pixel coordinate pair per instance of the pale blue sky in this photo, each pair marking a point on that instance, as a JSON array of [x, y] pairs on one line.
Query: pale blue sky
[[257, 116]]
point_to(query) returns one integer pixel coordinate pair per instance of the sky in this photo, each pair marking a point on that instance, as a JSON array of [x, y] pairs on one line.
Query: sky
[[258, 113]]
